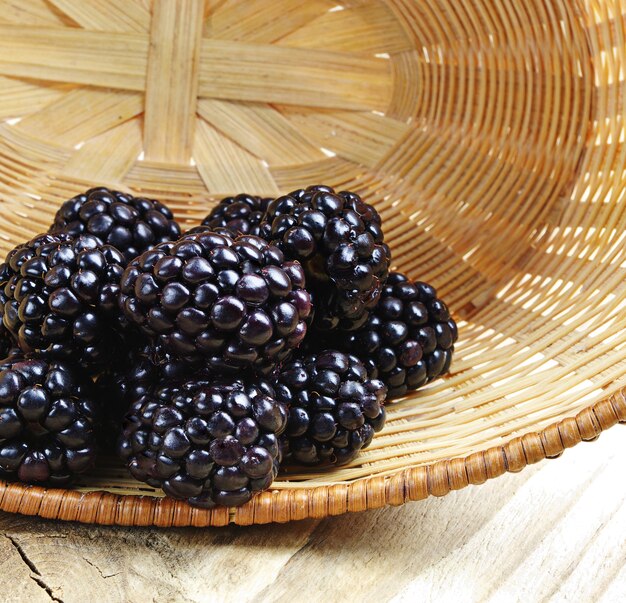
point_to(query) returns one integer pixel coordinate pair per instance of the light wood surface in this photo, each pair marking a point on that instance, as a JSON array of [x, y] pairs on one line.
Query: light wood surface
[[554, 532]]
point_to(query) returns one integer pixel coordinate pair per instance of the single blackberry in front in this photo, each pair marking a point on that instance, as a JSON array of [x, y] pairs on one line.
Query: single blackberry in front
[[242, 214], [211, 443], [130, 224], [334, 409], [234, 302], [47, 422], [59, 297], [409, 338], [339, 241]]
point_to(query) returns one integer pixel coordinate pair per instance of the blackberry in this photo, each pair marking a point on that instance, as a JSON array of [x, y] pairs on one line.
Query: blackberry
[[334, 408], [409, 338], [242, 214], [59, 297], [234, 302], [130, 224], [339, 241], [211, 443], [47, 422]]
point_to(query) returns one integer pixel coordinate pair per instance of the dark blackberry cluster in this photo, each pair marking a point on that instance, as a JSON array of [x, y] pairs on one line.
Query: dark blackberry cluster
[[59, 297], [408, 339], [199, 371], [48, 422], [242, 214], [130, 224], [234, 302], [338, 239], [208, 442], [334, 408]]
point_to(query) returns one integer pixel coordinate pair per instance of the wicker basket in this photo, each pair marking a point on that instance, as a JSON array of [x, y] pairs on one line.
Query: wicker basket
[[489, 134]]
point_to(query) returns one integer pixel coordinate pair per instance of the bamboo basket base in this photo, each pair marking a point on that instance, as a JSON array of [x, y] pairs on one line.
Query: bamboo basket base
[[489, 135]]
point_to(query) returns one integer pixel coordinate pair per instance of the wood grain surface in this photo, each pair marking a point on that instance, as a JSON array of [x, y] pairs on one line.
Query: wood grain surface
[[555, 532]]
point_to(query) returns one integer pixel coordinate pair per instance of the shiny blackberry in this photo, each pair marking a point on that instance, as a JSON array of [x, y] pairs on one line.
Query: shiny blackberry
[[59, 297], [130, 224], [48, 421], [208, 442], [234, 302], [242, 214], [339, 241], [409, 338], [334, 408]]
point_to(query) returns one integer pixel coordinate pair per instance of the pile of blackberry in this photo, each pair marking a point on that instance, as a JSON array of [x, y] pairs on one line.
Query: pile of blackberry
[[271, 334]]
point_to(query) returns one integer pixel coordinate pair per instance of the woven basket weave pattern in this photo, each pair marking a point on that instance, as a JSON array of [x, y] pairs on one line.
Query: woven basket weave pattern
[[489, 135]]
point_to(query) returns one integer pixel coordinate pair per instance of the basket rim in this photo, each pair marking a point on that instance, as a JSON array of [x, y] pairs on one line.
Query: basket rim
[[281, 506]]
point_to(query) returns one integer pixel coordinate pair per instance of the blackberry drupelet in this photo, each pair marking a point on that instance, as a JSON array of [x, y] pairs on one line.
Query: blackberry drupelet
[[242, 214], [47, 422], [409, 338], [233, 302], [211, 443], [130, 224], [59, 297], [334, 408], [339, 241]]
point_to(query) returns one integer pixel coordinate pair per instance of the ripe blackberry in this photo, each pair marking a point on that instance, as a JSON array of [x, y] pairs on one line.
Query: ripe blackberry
[[242, 214], [211, 443], [130, 224], [409, 338], [339, 241], [334, 408], [58, 297], [47, 422], [233, 302]]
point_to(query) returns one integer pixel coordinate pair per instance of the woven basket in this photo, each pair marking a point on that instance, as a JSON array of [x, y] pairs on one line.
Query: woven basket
[[488, 133]]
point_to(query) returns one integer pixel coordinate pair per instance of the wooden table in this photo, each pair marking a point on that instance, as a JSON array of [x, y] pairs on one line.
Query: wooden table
[[555, 532]]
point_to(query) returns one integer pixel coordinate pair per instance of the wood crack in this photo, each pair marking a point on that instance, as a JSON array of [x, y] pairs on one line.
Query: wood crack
[[37, 577], [102, 574]]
